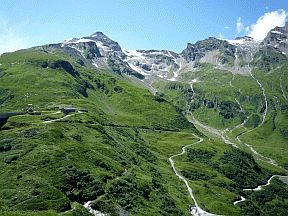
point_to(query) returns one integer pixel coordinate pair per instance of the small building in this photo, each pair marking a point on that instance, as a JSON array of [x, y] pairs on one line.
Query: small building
[[30, 108], [68, 110]]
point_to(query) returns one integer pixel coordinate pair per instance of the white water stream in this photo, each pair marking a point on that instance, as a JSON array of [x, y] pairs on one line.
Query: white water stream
[[226, 139], [193, 210], [260, 186], [50, 121], [282, 87], [256, 189], [87, 205]]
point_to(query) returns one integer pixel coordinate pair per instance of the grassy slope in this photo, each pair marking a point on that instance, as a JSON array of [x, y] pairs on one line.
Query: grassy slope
[[42, 163], [275, 128], [45, 162], [269, 139]]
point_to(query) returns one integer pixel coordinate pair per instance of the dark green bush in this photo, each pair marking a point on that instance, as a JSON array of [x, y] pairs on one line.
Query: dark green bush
[[10, 158]]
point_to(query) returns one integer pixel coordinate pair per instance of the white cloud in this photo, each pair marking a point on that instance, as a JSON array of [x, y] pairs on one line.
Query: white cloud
[[247, 29], [240, 26], [267, 8], [221, 36], [266, 23], [226, 27], [9, 42]]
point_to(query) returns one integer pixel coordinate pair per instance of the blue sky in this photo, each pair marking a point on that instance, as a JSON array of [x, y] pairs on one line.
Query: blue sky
[[136, 24]]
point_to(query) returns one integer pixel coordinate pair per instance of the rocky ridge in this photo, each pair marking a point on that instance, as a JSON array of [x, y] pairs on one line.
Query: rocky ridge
[[98, 51]]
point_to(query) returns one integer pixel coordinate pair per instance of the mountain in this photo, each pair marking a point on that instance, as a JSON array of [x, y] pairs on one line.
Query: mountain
[[276, 39], [105, 121]]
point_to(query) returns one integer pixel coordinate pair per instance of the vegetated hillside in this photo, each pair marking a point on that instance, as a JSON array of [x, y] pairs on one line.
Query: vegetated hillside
[[237, 102], [114, 149], [274, 130], [100, 155], [35, 77]]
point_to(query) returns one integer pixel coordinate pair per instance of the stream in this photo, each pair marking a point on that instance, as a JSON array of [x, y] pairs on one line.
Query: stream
[[226, 139], [50, 121], [87, 205], [256, 189], [194, 210], [282, 86]]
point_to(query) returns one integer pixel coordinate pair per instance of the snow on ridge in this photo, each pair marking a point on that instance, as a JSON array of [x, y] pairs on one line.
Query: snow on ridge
[[133, 53], [94, 63], [276, 32], [156, 53], [102, 46], [172, 79], [241, 41], [137, 69], [234, 42], [76, 40], [83, 40]]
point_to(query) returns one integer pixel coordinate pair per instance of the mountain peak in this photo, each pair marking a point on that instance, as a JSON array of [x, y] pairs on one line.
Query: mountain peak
[[99, 35]]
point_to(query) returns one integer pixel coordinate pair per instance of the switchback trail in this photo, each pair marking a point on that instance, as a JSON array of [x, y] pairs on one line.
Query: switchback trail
[[193, 210]]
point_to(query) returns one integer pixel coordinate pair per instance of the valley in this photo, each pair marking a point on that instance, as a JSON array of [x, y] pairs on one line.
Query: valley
[[224, 103]]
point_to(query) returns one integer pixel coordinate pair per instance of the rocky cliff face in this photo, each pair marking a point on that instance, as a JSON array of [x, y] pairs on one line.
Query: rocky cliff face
[[277, 40]]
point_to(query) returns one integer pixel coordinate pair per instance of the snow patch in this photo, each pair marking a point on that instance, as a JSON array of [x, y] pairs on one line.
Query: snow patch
[[156, 53], [102, 46], [234, 42], [78, 50], [94, 63], [133, 54], [137, 69], [174, 59], [277, 32], [82, 40], [172, 79]]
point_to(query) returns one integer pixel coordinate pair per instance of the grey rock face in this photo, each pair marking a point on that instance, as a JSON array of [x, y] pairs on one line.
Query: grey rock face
[[277, 40], [99, 52]]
